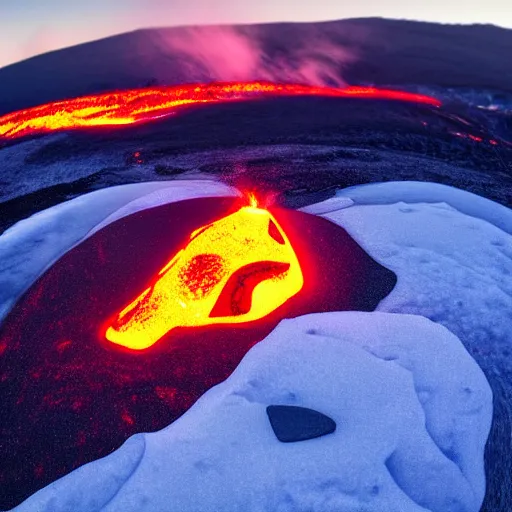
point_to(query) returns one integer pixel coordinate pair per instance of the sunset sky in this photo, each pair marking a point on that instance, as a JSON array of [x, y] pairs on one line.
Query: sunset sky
[[32, 27]]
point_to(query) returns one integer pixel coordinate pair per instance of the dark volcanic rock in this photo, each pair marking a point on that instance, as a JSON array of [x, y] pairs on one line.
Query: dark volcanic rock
[[291, 423], [314, 145]]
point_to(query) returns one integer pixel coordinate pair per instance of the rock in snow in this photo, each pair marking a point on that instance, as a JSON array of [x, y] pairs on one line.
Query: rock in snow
[[292, 424], [413, 411]]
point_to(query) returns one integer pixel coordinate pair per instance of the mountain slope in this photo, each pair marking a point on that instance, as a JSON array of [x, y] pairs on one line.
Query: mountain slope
[[376, 51]]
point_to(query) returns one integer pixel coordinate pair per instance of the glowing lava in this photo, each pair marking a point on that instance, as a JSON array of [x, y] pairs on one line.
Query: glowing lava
[[138, 105], [237, 269]]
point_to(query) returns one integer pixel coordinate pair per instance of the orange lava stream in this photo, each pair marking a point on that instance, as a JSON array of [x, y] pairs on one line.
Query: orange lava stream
[[237, 269], [138, 105]]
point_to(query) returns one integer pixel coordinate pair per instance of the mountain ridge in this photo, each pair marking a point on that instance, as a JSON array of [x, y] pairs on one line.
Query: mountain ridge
[[358, 51]]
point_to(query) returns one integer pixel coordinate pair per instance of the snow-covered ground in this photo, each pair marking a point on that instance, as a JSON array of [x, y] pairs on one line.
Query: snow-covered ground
[[454, 268], [452, 253], [412, 409], [421, 192]]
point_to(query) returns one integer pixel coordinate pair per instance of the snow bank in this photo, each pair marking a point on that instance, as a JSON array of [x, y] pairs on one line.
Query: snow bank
[[170, 194], [453, 268], [29, 247], [412, 408], [332, 204], [421, 192]]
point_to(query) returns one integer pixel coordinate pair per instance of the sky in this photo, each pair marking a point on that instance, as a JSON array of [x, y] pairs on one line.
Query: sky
[[32, 27]]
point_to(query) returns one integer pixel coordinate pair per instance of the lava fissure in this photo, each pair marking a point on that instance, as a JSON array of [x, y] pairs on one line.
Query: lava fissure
[[233, 270], [138, 105]]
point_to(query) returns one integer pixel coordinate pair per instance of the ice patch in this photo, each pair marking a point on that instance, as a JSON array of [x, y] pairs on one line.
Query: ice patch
[[453, 268], [332, 204], [421, 192]]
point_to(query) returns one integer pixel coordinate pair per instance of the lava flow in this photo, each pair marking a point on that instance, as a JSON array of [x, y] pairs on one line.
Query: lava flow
[[138, 105], [237, 269], [69, 396]]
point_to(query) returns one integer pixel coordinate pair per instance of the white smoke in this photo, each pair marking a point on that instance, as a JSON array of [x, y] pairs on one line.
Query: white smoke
[[224, 53]]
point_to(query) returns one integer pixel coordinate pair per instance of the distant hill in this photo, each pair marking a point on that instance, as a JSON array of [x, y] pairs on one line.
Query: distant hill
[[357, 51]]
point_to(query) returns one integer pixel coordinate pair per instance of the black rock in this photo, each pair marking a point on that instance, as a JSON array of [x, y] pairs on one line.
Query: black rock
[[292, 423]]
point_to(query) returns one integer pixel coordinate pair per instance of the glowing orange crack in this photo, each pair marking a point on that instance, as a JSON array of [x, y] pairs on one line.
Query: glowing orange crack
[[137, 105], [237, 269]]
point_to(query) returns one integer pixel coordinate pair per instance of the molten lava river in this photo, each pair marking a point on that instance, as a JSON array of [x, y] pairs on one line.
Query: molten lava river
[[138, 105]]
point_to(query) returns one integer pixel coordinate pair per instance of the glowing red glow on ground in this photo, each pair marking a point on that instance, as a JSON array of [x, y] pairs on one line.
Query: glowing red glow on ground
[[139, 105], [236, 269], [474, 138]]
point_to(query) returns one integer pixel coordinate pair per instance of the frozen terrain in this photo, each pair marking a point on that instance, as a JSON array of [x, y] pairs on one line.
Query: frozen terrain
[[452, 253], [419, 192], [453, 267], [411, 406]]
